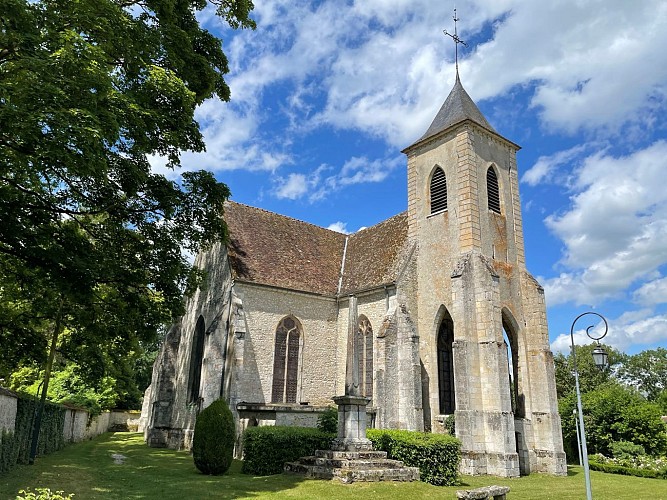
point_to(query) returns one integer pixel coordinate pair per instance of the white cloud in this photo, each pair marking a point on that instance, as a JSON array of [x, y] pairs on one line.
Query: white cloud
[[614, 230], [339, 227], [293, 187], [546, 166], [633, 328], [316, 185], [652, 293]]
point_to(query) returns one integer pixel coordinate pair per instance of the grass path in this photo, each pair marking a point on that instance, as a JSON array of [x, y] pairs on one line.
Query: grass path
[[88, 470]]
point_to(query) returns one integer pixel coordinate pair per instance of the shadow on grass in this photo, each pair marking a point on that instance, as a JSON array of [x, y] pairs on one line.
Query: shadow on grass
[[88, 470]]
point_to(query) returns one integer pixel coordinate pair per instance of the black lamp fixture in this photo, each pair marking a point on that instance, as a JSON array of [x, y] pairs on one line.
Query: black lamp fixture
[[600, 357]]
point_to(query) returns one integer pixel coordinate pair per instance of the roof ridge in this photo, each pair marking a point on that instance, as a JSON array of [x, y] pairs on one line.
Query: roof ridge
[[286, 217]]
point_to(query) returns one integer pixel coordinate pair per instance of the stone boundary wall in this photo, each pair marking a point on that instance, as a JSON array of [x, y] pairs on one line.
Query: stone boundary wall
[[77, 427], [8, 401]]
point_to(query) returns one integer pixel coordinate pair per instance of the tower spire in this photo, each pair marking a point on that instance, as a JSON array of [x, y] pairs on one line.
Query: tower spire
[[457, 40]]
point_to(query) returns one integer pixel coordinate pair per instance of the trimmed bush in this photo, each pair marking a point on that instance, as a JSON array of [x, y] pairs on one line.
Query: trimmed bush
[[213, 443], [266, 449], [611, 468], [328, 421], [437, 455]]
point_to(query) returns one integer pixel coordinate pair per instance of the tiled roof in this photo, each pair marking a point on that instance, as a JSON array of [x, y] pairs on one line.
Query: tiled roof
[[457, 107], [271, 249], [373, 253]]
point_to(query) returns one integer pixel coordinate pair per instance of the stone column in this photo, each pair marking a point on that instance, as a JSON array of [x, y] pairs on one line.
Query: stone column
[[352, 405]]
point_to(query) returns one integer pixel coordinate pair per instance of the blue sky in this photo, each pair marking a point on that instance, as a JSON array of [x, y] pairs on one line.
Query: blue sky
[[326, 94]]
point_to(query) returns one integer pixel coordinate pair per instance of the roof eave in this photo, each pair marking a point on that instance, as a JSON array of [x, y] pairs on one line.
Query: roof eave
[[424, 140]]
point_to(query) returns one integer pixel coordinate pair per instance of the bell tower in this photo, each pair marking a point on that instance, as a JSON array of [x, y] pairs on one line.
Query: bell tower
[[481, 317]]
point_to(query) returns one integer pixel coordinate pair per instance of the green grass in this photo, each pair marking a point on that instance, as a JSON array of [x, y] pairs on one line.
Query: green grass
[[88, 470]]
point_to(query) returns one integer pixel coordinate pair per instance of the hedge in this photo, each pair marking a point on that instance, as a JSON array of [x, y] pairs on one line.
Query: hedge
[[437, 455], [15, 446], [627, 471], [266, 449]]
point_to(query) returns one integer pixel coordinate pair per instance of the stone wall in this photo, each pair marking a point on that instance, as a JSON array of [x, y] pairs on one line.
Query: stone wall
[[8, 401]]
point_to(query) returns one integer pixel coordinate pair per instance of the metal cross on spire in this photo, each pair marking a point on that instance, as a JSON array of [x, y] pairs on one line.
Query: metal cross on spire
[[457, 40]]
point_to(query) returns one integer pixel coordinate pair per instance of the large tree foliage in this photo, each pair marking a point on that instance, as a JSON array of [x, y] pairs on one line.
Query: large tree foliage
[[590, 376], [647, 372], [91, 239]]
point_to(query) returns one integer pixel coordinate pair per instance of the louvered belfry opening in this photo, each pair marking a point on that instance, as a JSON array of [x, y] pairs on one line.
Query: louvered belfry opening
[[492, 189], [286, 362], [365, 356], [446, 366], [438, 191]]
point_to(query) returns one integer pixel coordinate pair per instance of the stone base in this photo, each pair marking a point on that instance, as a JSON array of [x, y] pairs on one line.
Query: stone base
[[494, 464], [351, 466]]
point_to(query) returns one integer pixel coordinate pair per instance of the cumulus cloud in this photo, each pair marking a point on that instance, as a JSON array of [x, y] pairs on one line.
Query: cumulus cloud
[[546, 166], [614, 230], [652, 293], [320, 183], [640, 328], [339, 227]]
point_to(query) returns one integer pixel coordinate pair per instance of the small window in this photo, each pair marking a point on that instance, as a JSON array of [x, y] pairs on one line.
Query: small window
[[438, 191], [493, 191]]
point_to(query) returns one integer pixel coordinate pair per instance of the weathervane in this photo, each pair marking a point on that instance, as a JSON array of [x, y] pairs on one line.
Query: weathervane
[[457, 40]]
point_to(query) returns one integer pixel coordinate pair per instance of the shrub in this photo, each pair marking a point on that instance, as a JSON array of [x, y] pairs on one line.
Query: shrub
[[636, 466], [266, 449], [43, 494], [626, 449], [437, 455], [213, 443], [328, 421], [450, 425]]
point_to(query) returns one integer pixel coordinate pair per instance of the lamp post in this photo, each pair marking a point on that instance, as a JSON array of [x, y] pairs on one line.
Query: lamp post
[[600, 358]]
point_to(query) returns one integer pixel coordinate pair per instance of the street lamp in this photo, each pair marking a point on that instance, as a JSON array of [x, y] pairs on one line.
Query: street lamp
[[600, 358]]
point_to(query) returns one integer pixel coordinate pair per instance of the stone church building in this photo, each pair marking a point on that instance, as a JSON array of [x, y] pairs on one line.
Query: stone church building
[[446, 318]]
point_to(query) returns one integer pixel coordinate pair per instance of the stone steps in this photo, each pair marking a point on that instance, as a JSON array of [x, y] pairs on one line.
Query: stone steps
[[351, 466]]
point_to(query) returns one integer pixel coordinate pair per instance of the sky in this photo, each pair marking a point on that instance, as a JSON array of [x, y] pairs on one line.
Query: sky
[[326, 94]]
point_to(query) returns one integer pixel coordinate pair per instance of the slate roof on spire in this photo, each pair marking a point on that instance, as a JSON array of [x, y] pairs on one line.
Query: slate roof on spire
[[457, 107]]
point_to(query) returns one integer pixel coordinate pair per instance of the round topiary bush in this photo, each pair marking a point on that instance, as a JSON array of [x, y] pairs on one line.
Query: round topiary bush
[[213, 443]]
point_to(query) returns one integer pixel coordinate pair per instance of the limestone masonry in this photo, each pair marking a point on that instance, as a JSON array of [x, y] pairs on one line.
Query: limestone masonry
[[448, 319]]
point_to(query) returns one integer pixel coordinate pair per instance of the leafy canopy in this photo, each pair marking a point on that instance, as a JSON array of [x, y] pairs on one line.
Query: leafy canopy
[[91, 238]]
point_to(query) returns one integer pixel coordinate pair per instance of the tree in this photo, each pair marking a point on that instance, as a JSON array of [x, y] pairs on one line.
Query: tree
[[91, 240], [646, 372], [590, 376], [613, 413]]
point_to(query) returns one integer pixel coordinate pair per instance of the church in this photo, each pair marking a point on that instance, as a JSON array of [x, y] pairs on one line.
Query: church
[[445, 316]]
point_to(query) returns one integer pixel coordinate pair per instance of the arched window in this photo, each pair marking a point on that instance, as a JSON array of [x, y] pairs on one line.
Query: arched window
[[365, 356], [492, 190], [510, 337], [446, 366], [286, 361], [196, 358], [438, 191]]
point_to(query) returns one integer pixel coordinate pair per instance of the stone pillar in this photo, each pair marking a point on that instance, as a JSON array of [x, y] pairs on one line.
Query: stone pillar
[[351, 424]]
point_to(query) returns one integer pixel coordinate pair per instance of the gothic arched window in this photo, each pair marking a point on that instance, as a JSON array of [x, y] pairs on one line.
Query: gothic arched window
[[446, 366], [492, 190], [365, 356], [196, 359], [286, 361], [438, 191]]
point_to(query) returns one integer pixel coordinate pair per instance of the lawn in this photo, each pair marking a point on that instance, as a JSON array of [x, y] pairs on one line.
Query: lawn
[[88, 470]]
